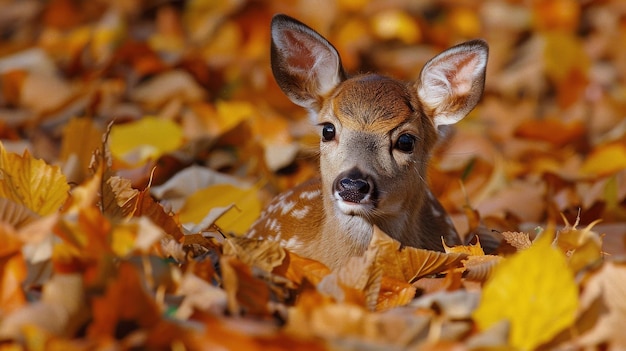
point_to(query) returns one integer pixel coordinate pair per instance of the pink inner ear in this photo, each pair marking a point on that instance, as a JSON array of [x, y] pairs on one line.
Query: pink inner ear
[[299, 56], [461, 78]]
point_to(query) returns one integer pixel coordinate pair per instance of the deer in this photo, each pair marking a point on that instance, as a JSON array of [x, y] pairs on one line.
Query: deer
[[376, 137]]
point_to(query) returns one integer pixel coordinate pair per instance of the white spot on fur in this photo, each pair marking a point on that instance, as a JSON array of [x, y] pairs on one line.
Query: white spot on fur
[[292, 244], [273, 226], [310, 195], [286, 207], [300, 213]]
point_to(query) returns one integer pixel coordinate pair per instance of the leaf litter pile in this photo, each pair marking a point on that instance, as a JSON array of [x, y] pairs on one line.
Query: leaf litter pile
[[140, 139]]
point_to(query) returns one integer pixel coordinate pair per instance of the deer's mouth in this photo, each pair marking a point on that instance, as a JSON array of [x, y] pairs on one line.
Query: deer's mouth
[[354, 203]]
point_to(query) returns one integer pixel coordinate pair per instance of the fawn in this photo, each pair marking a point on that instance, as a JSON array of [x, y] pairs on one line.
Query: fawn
[[376, 137]]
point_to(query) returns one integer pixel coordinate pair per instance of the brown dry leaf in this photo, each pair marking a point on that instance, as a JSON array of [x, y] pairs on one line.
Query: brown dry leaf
[[198, 294], [144, 205], [31, 182], [607, 284], [480, 268], [518, 240], [408, 263], [60, 311], [81, 137], [44, 93], [125, 301], [358, 282], [317, 316], [264, 254], [246, 293], [123, 192], [169, 85], [15, 214]]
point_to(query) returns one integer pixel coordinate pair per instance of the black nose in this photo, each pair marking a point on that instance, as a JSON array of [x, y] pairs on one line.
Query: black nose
[[353, 186]]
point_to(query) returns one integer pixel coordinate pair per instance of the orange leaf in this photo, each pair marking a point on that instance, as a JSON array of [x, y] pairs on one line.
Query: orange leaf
[[553, 130], [13, 272], [408, 263], [125, 302], [298, 269]]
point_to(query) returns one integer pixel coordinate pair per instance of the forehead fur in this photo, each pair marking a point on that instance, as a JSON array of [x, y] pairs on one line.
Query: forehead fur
[[372, 102]]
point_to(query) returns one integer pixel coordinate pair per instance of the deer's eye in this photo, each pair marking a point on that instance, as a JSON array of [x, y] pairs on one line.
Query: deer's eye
[[328, 132], [405, 143]]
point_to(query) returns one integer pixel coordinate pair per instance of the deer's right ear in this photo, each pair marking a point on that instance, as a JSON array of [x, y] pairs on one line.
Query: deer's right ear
[[305, 65]]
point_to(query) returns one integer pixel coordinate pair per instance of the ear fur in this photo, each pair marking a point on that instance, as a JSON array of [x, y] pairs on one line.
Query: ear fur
[[305, 65], [452, 82]]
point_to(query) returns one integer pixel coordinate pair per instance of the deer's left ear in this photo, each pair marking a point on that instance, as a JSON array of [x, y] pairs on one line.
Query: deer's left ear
[[451, 83]]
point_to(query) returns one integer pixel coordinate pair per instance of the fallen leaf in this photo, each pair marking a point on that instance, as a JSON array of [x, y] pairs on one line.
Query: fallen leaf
[[480, 268], [408, 263], [535, 279], [145, 139], [184, 183], [198, 294], [264, 254], [31, 182], [608, 285], [300, 269], [167, 86], [15, 214], [125, 305], [604, 160], [246, 293], [13, 272], [518, 240], [247, 206], [471, 250]]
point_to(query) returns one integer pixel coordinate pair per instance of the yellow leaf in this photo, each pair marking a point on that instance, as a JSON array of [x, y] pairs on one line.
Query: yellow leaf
[[231, 113], [472, 250], [604, 160], [31, 182], [238, 219], [535, 291], [145, 139], [396, 24], [564, 53]]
